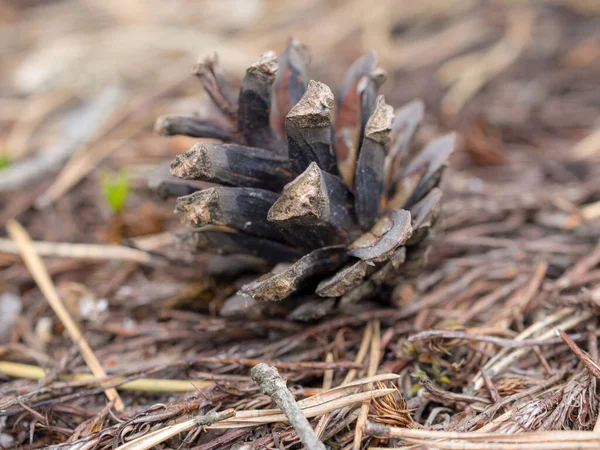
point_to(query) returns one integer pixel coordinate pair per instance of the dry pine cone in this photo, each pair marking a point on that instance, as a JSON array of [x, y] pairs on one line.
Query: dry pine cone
[[329, 193]]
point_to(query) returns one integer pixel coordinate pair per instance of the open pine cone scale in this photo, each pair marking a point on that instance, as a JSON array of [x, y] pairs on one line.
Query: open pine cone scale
[[331, 193]]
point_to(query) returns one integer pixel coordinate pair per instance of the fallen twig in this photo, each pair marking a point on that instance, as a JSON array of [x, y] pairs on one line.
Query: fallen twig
[[275, 387], [162, 434], [587, 361]]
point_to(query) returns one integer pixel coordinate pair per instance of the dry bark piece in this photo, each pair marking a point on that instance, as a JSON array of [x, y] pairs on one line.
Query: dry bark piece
[[233, 165], [406, 123], [255, 105], [210, 73], [290, 83], [390, 232], [222, 241], [369, 181], [243, 209], [316, 202], [276, 287], [172, 125], [347, 124], [308, 128], [344, 280]]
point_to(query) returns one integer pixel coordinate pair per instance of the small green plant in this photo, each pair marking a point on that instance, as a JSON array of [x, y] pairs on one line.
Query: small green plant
[[115, 188], [418, 375], [333, 445], [444, 379], [414, 390], [4, 161], [409, 349]]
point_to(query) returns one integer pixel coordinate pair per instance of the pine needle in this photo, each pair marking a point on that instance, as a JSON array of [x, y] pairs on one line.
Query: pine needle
[[373, 364], [44, 282], [31, 372]]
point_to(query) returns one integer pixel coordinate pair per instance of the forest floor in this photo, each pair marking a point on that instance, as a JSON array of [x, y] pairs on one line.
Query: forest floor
[[496, 341]]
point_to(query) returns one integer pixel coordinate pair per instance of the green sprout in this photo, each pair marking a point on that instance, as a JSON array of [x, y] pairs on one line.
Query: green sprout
[[444, 379], [418, 375], [414, 390], [115, 189], [332, 444], [4, 161], [409, 349]]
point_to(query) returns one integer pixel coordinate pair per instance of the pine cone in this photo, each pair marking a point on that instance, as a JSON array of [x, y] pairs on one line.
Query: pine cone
[[330, 194]]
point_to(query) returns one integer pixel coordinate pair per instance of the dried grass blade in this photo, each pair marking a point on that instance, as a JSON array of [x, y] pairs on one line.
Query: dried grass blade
[[373, 364], [44, 282], [254, 417], [32, 372], [523, 438], [156, 437], [341, 391], [324, 397], [81, 251]]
